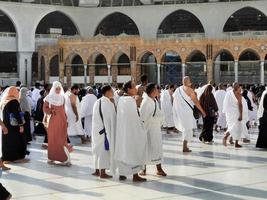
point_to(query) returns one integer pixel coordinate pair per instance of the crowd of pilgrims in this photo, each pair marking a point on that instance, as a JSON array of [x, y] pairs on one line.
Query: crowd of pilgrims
[[124, 124]]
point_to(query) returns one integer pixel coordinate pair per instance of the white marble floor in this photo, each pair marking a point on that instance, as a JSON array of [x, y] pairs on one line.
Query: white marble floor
[[210, 172]]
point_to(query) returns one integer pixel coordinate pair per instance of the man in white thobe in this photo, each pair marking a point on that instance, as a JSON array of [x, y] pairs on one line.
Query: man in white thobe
[[152, 117], [219, 97], [184, 99], [36, 94], [252, 113], [166, 107], [131, 137], [233, 109], [103, 133], [72, 109], [87, 104]]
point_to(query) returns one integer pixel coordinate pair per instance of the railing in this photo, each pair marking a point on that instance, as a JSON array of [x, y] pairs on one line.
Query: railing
[[182, 36], [7, 34], [51, 36], [111, 3], [246, 34]]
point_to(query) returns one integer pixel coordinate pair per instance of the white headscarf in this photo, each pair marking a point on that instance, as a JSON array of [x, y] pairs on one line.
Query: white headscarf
[[53, 98], [261, 109], [24, 103]]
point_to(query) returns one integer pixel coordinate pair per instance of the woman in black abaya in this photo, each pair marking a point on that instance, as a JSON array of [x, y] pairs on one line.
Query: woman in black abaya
[[262, 138]]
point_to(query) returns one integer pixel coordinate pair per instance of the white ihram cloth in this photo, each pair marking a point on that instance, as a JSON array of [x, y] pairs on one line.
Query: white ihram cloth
[[231, 110], [116, 97], [166, 108], [74, 128], [103, 159], [152, 117], [252, 114], [245, 119], [87, 105], [219, 97], [183, 114], [131, 138], [35, 96]]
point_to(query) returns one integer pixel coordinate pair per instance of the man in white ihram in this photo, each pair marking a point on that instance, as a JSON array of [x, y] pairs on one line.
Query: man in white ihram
[[131, 137], [183, 113], [235, 115], [87, 104], [103, 133], [219, 97], [72, 109], [166, 107]]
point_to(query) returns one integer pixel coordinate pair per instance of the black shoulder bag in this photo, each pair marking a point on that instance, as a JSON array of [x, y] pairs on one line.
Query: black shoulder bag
[[195, 109], [103, 131]]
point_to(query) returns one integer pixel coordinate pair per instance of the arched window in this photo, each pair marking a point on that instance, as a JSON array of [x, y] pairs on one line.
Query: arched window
[[180, 21], [116, 24], [246, 19], [56, 23]]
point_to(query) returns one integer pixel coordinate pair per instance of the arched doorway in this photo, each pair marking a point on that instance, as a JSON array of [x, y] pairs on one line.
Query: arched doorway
[[101, 68], [182, 23], [148, 63], [8, 62], [196, 67], [171, 68], [224, 70], [54, 66], [77, 68], [9, 67], [249, 67], [56, 23], [246, 21], [121, 68], [124, 67], [116, 24]]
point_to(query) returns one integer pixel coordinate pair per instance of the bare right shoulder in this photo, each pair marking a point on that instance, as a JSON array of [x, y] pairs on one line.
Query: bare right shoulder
[[189, 91]]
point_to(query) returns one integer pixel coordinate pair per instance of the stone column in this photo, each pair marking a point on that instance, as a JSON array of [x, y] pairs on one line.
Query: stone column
[[24, 60], [262, 72], [85, 74], [109, 73], [114, 73], [210, 74], [68, 75], [134, 71], [158, 72], [61, 72], [183, 70], [92, 74], [46, 70], [236, 70]]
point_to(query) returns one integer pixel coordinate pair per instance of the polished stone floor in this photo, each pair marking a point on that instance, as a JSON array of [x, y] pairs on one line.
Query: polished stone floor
[[210, 172]]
